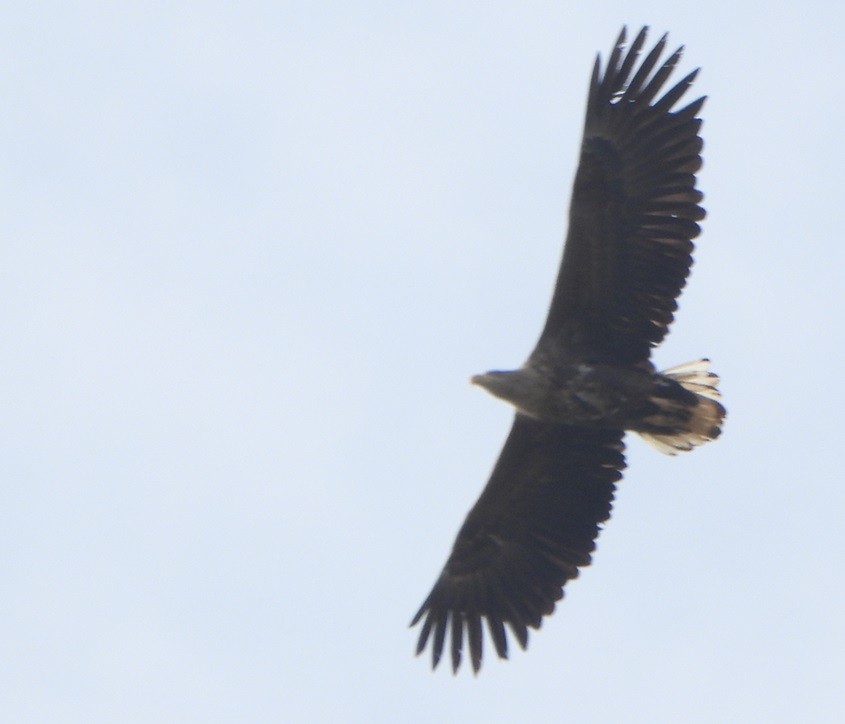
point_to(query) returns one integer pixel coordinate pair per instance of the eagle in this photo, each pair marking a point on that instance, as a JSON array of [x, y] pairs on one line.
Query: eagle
[[633, 214]]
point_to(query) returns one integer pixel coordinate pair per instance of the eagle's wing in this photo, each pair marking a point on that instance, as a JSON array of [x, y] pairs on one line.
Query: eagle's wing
[[533, 526], [632, 215]]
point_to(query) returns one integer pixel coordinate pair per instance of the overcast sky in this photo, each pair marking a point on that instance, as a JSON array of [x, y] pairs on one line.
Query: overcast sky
[[251, 254]]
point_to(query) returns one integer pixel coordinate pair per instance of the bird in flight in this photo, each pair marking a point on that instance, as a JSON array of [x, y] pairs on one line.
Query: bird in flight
[[632, 216]]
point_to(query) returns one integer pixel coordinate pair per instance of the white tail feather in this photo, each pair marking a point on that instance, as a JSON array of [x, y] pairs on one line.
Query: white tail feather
[[705, 422]]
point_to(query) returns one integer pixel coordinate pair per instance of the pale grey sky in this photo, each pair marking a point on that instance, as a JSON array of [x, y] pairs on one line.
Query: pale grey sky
[[252, 254]]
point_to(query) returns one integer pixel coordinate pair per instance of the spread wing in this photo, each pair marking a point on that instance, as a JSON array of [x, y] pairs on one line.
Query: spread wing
[[632, 215], [532, 528]]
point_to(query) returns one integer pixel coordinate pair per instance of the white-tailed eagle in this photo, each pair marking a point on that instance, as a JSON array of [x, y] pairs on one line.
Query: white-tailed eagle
[[633, 213]]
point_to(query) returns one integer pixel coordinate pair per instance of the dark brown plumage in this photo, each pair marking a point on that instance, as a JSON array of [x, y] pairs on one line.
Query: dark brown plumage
[[632, 217]]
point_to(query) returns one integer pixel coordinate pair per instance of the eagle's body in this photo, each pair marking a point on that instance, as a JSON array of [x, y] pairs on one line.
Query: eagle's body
[[587, 395], [628, 252], [635, 398]]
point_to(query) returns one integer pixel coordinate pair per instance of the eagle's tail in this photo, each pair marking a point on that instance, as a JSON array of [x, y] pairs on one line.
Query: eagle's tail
[[682, 424]]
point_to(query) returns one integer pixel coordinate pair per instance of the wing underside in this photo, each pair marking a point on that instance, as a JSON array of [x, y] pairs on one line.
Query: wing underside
[[532, 528], [633, 213]]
